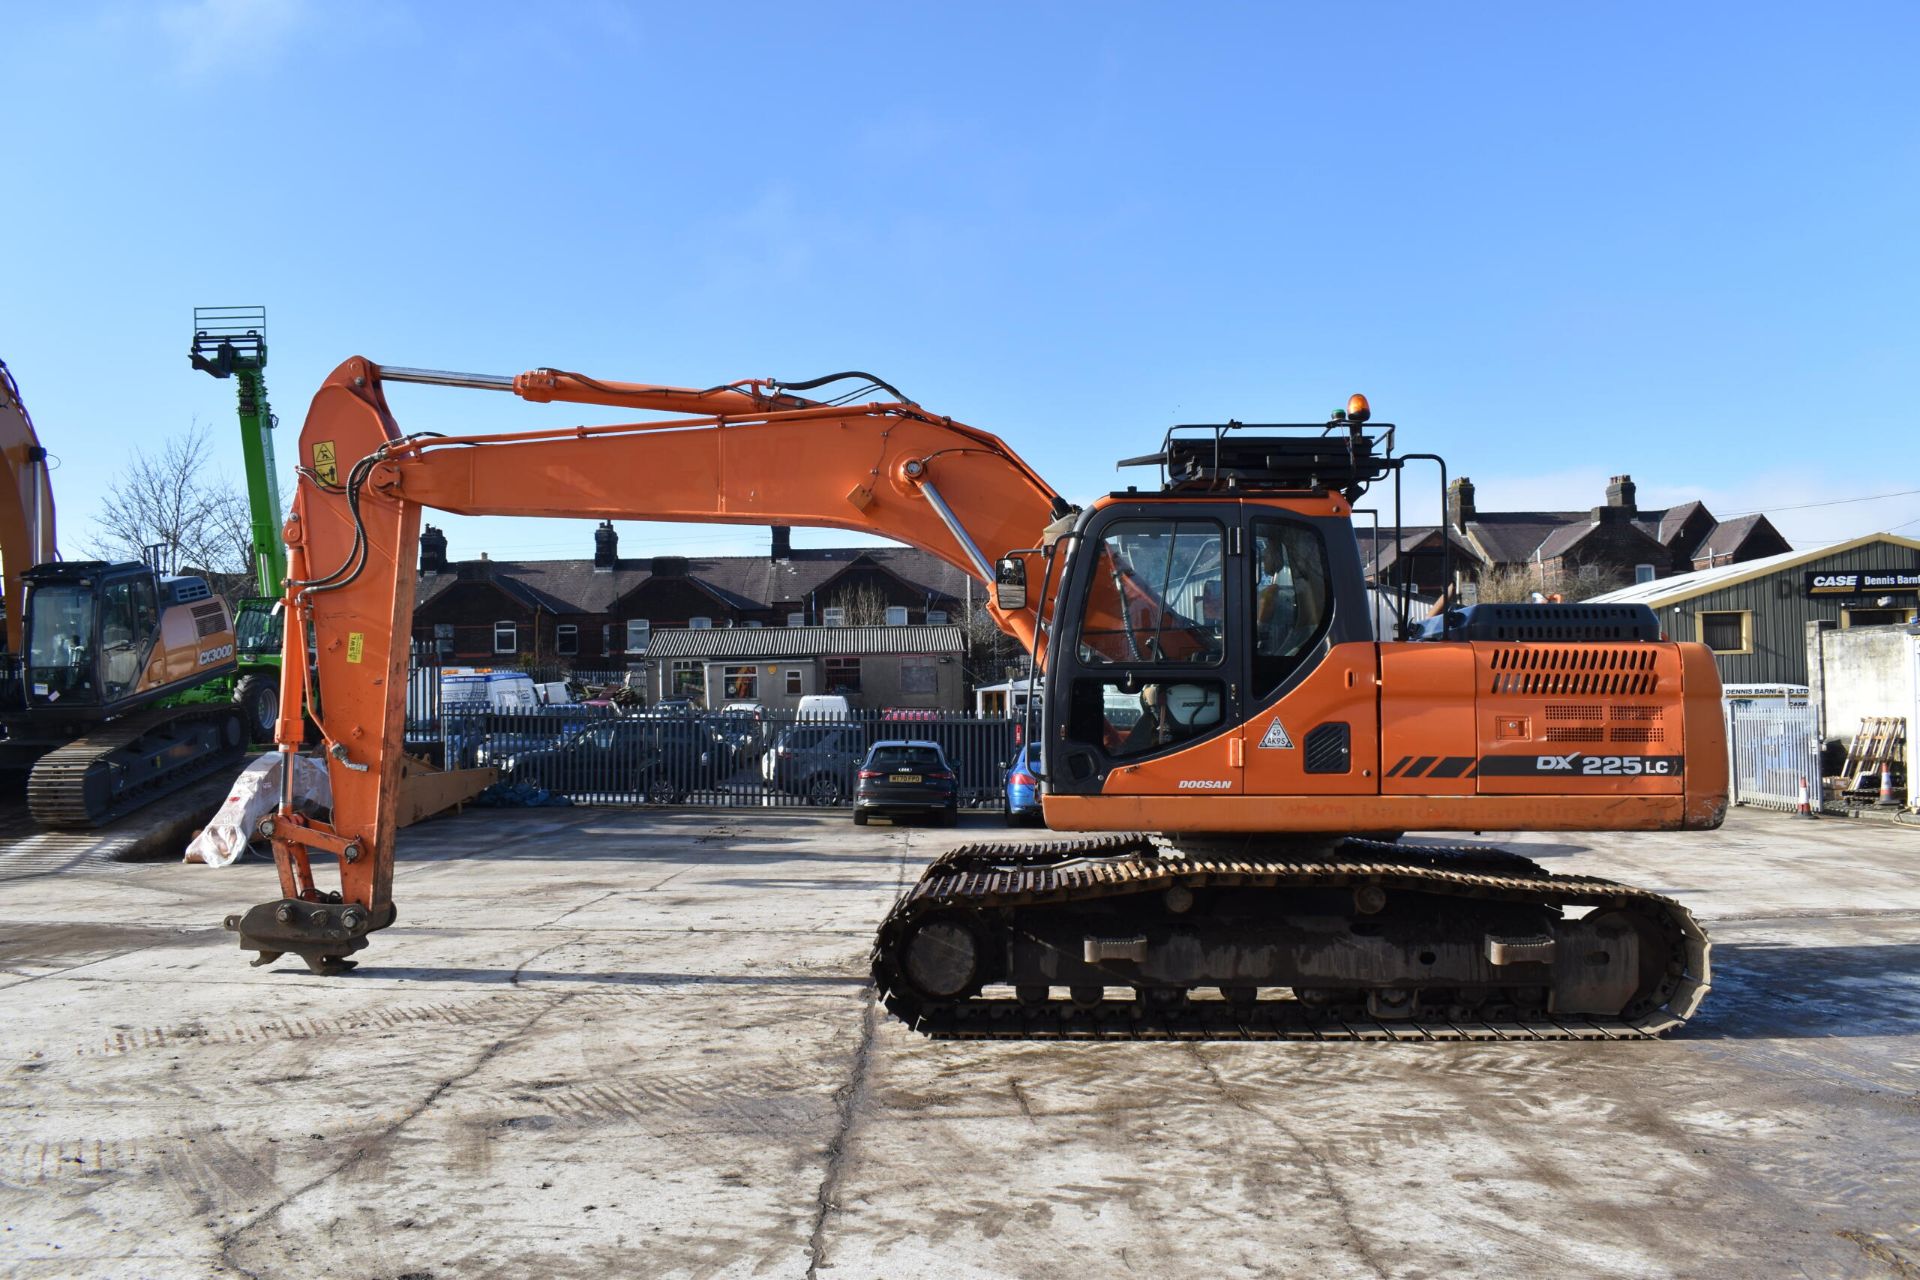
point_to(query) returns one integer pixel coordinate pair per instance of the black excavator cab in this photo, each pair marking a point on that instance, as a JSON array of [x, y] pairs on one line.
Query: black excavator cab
[[91, 629]]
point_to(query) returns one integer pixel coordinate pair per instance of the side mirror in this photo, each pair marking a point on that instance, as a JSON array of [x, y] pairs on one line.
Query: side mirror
[[1010, 584]]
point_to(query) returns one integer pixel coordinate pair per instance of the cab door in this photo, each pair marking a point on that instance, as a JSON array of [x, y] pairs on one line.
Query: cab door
[[1312, 690], [1145, 679]]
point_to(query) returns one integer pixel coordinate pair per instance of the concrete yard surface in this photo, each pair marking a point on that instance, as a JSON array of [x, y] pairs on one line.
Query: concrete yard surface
[[643, 1043]]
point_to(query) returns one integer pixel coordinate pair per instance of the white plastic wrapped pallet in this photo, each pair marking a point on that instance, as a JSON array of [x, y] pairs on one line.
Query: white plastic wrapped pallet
[[255, 794]]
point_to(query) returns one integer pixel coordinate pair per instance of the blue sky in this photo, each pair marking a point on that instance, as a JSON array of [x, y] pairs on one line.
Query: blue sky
[[1552, 243]]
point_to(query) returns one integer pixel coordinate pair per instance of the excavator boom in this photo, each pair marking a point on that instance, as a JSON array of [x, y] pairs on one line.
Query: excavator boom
[[755, 455]]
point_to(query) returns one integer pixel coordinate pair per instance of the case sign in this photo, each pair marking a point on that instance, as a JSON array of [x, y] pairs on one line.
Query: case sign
[[1862, 582]]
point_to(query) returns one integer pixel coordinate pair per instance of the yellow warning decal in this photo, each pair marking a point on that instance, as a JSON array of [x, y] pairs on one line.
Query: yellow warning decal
[[356, 645], [324, 466]]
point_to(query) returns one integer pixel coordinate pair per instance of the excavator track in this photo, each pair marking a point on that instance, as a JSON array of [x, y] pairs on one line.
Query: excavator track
[[132, 762], [1136, 915]]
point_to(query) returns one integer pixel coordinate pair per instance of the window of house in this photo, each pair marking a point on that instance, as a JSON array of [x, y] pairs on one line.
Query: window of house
[[796, 619], [566, 639], [506, 638], [833, 616], [936, 617], [741, 684], [639, 632], [919, 675], [896, 616], [699, 624], [1644, 573], [842, 675], [1727, 631], [796, 684], [686, 679]]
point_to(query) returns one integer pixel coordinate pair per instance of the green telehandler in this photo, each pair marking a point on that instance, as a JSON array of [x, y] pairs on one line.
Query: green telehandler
[[231, 342]]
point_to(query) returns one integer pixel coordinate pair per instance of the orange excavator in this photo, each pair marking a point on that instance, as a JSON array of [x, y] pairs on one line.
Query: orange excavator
[[99, 660], [1212, 677]]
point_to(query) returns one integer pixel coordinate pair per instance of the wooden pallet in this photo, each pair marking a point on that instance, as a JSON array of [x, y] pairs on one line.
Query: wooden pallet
[[1881, 740]]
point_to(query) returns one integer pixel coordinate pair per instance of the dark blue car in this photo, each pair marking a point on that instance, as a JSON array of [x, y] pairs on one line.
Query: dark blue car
[[1024, 789]]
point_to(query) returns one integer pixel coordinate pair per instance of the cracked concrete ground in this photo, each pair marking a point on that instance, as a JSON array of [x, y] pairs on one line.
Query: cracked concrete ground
[[625, 1043]]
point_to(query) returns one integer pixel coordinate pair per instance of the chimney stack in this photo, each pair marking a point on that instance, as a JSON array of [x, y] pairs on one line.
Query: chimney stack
[[433, 550], [782, 542], [1460, 503], [1620, 494], [606, 548]]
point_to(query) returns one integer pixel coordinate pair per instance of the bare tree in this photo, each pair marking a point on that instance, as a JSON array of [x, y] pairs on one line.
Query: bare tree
[[865, 603], [1517, 583], [991, 652], [1510, 584], [172, 503]]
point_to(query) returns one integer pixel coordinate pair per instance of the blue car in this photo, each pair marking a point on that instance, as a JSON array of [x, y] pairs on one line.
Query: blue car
[[1023, 791]]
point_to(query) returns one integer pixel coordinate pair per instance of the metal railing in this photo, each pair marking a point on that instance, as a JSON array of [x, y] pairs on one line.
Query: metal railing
[[1774, 750], [603, 754]]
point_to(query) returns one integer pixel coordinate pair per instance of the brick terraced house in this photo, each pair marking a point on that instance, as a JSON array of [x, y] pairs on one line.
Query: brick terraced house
[[599, 614]]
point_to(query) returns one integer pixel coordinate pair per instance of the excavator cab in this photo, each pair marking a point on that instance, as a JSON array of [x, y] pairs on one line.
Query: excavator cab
[[256, 626], [108, 649], [1187, 612], [104, 638]]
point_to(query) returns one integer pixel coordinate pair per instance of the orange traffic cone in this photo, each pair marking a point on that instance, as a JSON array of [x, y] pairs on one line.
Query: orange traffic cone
[[1886, 785], [1805, 810]]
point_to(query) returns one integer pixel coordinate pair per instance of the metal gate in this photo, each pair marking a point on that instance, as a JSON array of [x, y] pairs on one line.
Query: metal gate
[[1774, 750]]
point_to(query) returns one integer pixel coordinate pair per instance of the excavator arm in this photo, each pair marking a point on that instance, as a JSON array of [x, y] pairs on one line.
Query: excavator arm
[[26, 502], [747, 453]]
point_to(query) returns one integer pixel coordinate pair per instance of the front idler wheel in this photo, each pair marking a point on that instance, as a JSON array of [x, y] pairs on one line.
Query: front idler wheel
[[943, 960]]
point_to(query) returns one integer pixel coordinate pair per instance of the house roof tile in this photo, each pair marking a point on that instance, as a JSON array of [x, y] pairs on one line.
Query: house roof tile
[[744, 582], [804, 642]]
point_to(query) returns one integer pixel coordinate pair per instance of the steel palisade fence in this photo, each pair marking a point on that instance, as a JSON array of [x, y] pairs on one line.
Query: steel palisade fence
[[1773, 751], [600, 754]]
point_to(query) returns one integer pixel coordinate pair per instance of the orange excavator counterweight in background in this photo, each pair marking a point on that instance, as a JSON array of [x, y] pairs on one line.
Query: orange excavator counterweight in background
[[26, 504], [1212, 674]]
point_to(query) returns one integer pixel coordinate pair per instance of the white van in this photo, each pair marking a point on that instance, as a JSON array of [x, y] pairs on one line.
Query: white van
[[478, 689], [824, 706]]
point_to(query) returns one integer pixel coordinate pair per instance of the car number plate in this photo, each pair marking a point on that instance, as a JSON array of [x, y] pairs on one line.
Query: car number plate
[[904, 777]]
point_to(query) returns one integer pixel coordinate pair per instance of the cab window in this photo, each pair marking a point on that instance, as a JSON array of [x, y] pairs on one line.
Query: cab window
[[1135, 718], [1292, 600], [1157, 595]]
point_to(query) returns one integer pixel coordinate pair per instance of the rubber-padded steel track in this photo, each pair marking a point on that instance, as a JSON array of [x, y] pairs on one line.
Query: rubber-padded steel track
[[1005, 877], [75, 785]]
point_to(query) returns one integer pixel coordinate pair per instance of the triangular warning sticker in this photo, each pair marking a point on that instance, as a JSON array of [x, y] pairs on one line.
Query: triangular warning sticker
[[1277, 737]]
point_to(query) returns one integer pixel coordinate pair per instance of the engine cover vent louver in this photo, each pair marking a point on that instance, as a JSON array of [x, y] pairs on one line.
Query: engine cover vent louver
[[1575, 671], [1329, 748]]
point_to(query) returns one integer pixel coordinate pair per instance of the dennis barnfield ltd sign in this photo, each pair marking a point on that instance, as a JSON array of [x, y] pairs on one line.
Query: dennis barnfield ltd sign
[[1863, 582]]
